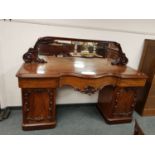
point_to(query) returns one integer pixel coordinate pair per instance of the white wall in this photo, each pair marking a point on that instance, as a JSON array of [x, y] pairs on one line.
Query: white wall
[[1, 79], [136, 26], [16, 38]]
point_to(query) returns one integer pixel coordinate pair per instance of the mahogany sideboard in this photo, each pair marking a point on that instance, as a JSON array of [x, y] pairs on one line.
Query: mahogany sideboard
[[56, 62]]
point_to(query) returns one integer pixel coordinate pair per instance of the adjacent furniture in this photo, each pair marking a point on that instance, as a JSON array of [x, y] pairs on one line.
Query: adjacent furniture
[[86, 65], [4, 113], [146, 100]]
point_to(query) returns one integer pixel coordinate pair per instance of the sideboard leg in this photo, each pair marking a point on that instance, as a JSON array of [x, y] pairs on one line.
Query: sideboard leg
[[39, 108], [116, 104]]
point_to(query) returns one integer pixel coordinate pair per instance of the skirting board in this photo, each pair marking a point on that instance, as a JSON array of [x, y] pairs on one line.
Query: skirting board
[[71, 104]]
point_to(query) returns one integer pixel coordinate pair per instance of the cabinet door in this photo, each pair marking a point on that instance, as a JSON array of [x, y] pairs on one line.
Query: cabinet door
[[38, 105], [124, 102], [117, 103]]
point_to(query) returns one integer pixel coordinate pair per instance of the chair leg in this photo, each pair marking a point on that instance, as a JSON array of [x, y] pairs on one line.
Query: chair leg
[[4, 113], [137, 129]]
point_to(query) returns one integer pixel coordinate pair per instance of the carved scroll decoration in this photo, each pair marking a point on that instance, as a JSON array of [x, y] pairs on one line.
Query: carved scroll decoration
[[122, 60], [26, 95], [88, 90], [31, 56], [38, 119], [113, 51]]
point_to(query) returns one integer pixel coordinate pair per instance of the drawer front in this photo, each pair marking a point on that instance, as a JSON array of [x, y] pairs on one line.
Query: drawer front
[[78, 82], [131, 82], [84, 83], [38, 83]]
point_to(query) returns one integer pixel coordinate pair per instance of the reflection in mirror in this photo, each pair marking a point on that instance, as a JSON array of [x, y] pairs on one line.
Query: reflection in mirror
[[64, 48], [69, 47]]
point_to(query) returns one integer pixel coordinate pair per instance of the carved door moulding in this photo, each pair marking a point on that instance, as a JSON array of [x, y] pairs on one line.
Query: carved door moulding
[[27, 103]]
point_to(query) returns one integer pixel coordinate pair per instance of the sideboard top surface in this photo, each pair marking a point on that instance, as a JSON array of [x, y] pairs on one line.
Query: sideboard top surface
[[76, 66]]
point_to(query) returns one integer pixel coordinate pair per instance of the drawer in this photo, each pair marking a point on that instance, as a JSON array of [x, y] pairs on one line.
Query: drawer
[[38, 83]]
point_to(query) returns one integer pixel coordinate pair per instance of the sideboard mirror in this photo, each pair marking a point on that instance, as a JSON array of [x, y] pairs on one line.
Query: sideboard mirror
[[69, 47]]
